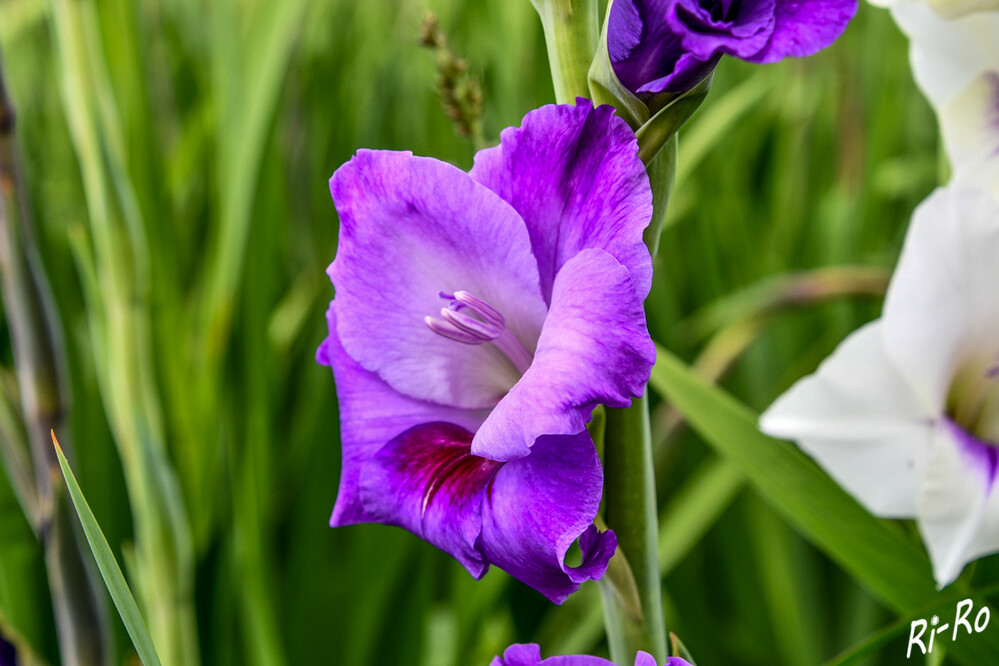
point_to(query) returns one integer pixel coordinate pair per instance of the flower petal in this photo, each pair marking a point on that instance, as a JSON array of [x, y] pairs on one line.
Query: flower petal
[[970, 126], [530, 655], [858, 418], [573, 174], [411, 227], [371, 415], [940, 310], [427, 481], [519, 654], [538, 506], [804, 27], [958, 508], [947, 55], [594, 349], [742, 36], [646, 54]]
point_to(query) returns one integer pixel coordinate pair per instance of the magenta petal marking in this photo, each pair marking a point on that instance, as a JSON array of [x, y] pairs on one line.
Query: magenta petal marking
[[371, 414], [978, 454], [438, 457], [426, 481]]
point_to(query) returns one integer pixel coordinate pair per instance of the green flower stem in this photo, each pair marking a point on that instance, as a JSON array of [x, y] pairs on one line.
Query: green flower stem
[[630, 488], [630, 510], [571, 30], [632, 594], [36, 340]]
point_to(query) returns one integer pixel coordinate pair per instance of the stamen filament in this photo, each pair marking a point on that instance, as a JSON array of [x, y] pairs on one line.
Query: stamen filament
[[470, 320], [514, 350], [470, 325], [448, 331]]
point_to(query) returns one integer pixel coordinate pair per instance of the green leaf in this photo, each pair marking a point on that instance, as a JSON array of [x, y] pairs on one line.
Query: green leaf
[[605, 88], [874, 552], [113, 578]]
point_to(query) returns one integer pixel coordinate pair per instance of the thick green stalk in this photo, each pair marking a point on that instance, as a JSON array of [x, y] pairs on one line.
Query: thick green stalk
[[632, 594], [81, 620], [571, 30], [630, 510]]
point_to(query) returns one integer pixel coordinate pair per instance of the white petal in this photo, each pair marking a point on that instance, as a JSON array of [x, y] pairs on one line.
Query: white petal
[[958, 512], [941, 309], [970, 124], [861, 422], [948, 54], [951, 9]]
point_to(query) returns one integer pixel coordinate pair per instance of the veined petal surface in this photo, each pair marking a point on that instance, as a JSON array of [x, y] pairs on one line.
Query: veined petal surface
[[594, 349], [804, 27], [372, 414], [411, 228], [647, 56], [573, 174], [538, 506]]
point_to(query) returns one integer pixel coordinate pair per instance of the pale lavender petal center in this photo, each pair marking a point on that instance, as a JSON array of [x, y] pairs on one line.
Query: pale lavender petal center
[[470, 320]]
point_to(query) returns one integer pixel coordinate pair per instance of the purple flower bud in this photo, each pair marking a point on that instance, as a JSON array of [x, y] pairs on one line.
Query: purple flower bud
[[660, 46]]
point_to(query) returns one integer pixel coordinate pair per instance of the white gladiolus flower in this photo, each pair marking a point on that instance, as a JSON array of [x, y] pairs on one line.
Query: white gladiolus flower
[[955, 62], [948, 54], [905, 413], [948, 9]]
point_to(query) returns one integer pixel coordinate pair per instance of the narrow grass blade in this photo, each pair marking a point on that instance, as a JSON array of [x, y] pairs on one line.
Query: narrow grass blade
[[113, 578]]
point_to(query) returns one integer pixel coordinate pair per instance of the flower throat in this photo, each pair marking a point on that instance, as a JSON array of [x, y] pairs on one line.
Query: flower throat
[[973, 400], [470, 320]]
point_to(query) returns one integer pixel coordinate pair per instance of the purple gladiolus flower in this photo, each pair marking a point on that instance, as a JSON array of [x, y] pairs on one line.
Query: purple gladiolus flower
[[530, 655], [479, 318], [670, 45]]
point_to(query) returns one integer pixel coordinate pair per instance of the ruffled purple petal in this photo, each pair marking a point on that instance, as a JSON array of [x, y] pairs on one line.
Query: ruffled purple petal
[[530, 655], [647, 56], [411, 228], [538, 506], [805, 27], [594, 349], [573, 174], [670, 45], [427, 481], [371, 415], [706, 33], [519, 654]]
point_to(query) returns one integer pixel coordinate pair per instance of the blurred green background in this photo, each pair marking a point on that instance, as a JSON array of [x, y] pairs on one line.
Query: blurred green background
[[176, 155]]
